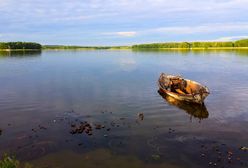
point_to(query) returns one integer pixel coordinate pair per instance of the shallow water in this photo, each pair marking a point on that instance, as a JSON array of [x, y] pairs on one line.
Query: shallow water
[[45, 95]]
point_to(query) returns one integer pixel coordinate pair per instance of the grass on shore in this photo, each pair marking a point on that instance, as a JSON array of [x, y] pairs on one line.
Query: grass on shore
[[10, 162]]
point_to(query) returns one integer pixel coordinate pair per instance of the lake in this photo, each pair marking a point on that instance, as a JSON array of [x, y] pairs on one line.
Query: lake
[[101, 108]]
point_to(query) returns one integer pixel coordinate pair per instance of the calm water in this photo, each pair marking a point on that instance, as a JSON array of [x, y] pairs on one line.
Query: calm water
[[45, 96]]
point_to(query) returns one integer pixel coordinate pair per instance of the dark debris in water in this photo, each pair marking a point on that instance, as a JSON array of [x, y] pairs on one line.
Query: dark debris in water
[[168, 146], [141, 116], [221, 155], [39, 128], [99, 126], [42, 127], [80, 144], [83, 127], [171, 130], [88, 128], [83, 124], [198, 150]]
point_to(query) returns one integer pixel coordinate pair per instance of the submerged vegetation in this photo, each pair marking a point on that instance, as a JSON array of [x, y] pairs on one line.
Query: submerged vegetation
[[10, 162], [19, 45], [190, 45]]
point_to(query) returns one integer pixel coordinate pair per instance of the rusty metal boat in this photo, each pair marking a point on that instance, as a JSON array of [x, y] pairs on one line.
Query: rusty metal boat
[[183, 89]]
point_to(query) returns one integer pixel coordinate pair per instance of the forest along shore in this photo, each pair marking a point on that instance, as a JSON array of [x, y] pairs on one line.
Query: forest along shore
[[239, 44], [20, 46]]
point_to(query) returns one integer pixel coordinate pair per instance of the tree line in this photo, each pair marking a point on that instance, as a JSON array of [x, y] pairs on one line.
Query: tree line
[[72, 47], [239, 43], [20, 45], [83, 47], [186, 45]]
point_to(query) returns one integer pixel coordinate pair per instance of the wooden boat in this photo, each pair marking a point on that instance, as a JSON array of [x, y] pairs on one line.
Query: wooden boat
[[182, 89], [197, 110]]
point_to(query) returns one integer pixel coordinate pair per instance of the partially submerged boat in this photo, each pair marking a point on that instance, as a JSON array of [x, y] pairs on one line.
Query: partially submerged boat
[[182, 89]]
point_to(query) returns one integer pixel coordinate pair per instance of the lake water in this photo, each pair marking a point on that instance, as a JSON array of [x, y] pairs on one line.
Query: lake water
[[46, 96]]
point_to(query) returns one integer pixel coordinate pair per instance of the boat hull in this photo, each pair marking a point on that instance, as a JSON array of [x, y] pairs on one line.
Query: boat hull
[[198, 94]]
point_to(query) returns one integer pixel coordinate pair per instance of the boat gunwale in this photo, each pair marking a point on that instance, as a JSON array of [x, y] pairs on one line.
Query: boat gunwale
[[185, 97]]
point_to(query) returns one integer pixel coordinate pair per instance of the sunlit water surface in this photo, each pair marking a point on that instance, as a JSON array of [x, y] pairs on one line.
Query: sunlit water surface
[[44, 96]]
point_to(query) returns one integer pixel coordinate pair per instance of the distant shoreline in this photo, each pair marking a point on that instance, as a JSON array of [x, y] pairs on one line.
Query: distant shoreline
[[217, 45], [210, 48], [130, 48], [20, 49]]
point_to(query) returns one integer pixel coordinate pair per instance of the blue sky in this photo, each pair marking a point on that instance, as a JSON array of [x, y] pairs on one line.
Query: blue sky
[[122, 22]]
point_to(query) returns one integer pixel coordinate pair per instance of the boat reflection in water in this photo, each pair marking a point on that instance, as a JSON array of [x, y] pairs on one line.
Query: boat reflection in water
[[193, 109]]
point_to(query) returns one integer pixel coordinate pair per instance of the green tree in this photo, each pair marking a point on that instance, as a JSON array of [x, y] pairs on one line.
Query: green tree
[[241, 43], [20, 45]]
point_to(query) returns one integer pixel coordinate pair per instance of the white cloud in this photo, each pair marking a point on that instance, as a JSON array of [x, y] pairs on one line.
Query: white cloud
[[231, 38], [122, 18], [123, 34], [3, 3], [206, 28], [51, 10], [126, 34]]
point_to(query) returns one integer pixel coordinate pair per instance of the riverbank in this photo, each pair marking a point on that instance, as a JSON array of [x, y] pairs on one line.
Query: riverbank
[[220, 45], [31, 46], [210, 48], [20, 50], [128, 48], [62, 47], [18, 45]]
